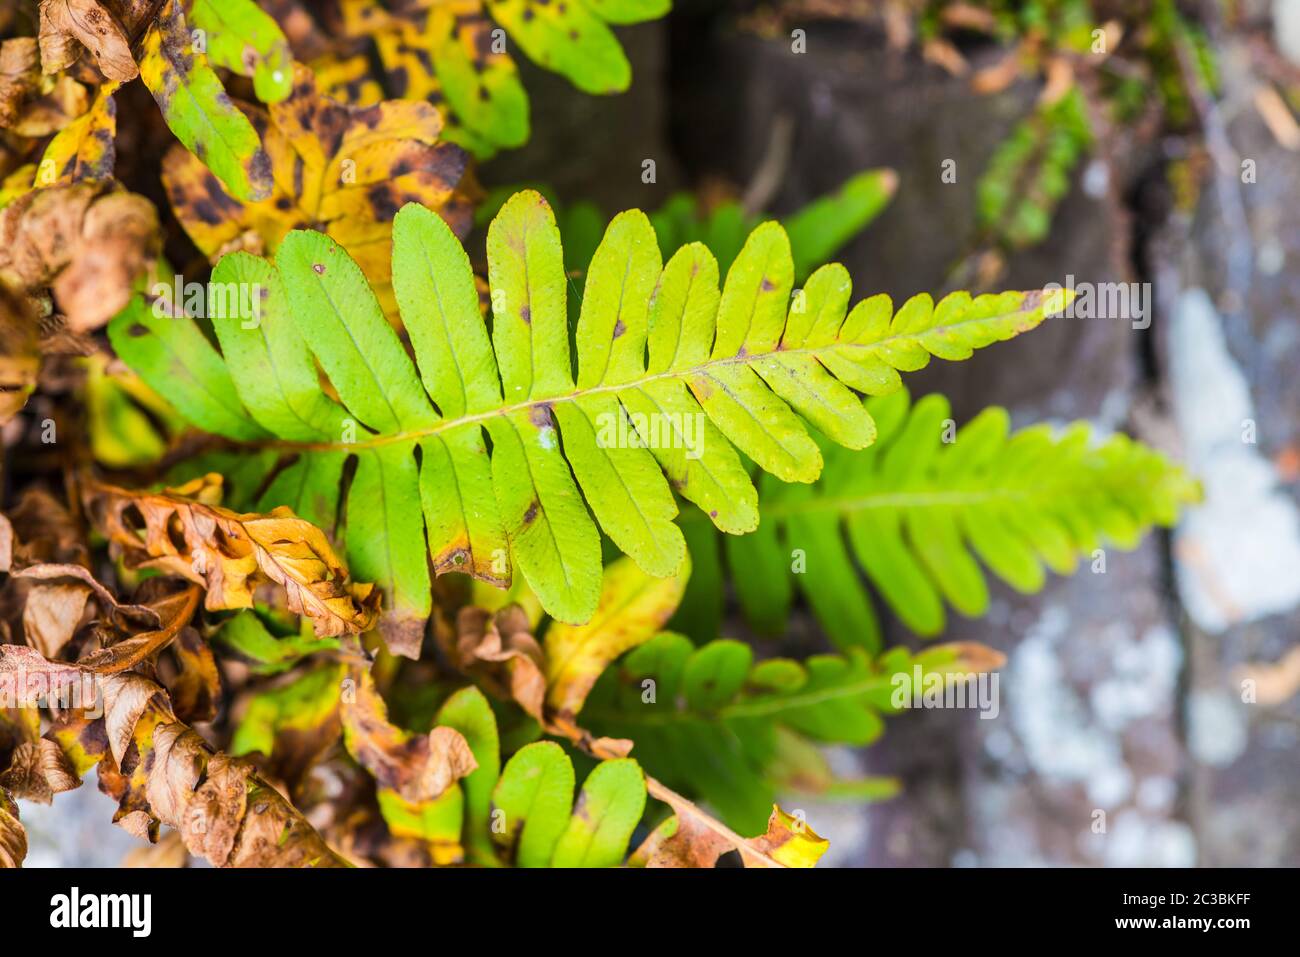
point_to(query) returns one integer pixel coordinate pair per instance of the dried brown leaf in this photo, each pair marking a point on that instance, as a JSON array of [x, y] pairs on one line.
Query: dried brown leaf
[[45, 532], [69, 26], [88, 242], [174, 612], [52, 614], [20, 77], [692, 838], [162, 771], [417, 767], [126, 698], [230, 554], [501, 652], [195, 689], [58, 104], [39, 770]]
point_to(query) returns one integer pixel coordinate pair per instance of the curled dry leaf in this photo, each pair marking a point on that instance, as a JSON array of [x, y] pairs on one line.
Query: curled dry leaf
[[54, 607], [174, 612], [501, 652], [31, 105], [126, 698], [88, 242], [163, 771], [418, 767], [70, 26], [37, 771], [176, 531], [20, 359], [55, 596], [45, 531], [195, 688], [13, 839], [692, 838], [20, 77], [52, 614]]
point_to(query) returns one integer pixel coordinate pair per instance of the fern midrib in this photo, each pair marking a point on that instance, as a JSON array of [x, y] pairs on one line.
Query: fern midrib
[[751, 708], [702, 368], [1072, 490]]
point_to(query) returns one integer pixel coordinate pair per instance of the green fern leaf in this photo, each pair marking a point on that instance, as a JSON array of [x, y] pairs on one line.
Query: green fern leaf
[[534, 794], [673, 379], [544, 827], [921, 515], [711, 722]]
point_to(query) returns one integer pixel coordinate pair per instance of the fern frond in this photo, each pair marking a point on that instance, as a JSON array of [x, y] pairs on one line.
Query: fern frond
[[1030, 172], [920, 514], [673, 380], [712, 722]]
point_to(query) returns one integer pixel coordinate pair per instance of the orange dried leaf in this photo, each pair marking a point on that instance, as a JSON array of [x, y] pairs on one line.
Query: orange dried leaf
[[230, 554], [417, 767]]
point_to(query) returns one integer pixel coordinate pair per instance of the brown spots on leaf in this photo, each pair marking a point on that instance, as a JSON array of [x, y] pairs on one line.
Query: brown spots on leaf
[[205, 209], [382, 201], [453, 557], [530, 514], [767, 285], [580, 811], [370, 117], [318, 268], [399, 81], [259, 174], [619, 328], [541, 416], [526, 314]]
